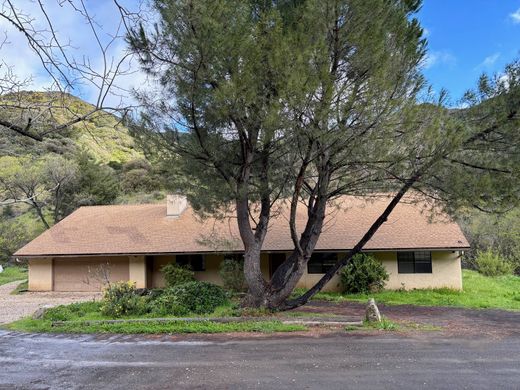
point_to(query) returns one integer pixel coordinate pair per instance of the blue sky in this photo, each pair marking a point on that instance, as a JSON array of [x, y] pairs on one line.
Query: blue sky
[[467, 38]]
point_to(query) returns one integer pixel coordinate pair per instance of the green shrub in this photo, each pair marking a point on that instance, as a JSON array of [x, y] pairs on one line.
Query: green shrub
[[196, 297], [70, 312], [232, 274], [175, 274], [121, 299], [490, 263], [363, 274], [166, 304]]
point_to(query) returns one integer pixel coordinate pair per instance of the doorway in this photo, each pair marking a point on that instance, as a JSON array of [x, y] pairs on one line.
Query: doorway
[[275, 260]]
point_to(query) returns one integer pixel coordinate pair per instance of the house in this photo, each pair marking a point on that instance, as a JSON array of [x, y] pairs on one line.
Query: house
[[133, 242]]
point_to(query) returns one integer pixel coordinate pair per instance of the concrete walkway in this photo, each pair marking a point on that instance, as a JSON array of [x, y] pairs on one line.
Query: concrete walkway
[[14, 307]]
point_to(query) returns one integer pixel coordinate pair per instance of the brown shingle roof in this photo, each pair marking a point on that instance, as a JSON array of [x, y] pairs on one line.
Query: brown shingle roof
[[139, 229]]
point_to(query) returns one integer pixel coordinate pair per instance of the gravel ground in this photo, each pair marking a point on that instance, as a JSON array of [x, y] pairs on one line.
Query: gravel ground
[[14, 307], [453, 321]]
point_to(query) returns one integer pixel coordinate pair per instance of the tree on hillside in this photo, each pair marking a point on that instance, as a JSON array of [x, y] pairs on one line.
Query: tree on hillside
[[38, 183], [304, 101], [53, 186]]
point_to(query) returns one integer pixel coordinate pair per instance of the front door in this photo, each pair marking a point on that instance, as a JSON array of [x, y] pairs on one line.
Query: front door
[[275, 260]]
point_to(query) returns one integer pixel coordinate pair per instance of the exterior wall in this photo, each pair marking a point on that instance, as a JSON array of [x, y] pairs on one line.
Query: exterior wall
[[137, 271], [211, 262], [40, 274], [446, 272], [158, 263], [211, 274]]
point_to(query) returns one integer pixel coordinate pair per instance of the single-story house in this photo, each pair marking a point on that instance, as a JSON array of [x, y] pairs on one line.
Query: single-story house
[[133, 242]]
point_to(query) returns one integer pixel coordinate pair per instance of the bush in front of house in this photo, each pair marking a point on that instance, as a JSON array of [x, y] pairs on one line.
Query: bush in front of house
[[121, 299], [166, 304], [363, 274], [232, 275], [489, 263], [196, 297], [175, 274], [71, 311]]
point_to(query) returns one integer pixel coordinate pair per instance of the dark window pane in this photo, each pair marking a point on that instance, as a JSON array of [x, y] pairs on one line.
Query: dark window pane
[[182, 259], [321, 262], [196, 262], [423, 262], [414, 262], [405, 263]]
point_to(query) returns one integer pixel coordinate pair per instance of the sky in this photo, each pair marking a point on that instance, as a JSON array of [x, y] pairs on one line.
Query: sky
[[466, 38]]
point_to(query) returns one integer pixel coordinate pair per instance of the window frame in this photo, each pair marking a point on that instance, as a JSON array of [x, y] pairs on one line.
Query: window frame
[[331, 256], [417, 258], [191, 257]]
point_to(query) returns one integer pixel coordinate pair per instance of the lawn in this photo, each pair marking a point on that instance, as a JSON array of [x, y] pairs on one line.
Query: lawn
[[12, 274], [90, 311], [502, 292]]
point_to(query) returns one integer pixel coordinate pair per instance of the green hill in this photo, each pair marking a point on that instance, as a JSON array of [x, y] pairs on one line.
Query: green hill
[[102, 135]]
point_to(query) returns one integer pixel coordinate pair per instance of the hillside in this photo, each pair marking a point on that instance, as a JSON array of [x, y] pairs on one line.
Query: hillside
[[102, 135]]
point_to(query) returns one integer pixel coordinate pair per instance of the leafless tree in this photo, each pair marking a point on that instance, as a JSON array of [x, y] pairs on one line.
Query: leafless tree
[[68, 71]]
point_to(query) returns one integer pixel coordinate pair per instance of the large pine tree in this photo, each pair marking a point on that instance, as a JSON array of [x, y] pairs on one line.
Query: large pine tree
[[306, 100]]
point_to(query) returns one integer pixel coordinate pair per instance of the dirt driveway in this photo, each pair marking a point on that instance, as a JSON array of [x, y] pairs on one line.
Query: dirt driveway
[[14, 307], [452, 321]]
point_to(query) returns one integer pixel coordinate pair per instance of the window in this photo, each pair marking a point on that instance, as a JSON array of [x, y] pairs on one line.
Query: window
[[195, 261], [414, 262], [319, 263]]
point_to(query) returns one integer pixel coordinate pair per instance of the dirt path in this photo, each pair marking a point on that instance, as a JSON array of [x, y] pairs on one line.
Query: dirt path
[[453, 321], [14, 307]]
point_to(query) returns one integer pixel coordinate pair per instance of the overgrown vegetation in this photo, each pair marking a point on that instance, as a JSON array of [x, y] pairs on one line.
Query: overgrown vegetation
[[12, 274], [497, 233], [198, 297], [175, 274], [363, 274], [121, 299], [28, 325], [95, 162], [78, 313], [502, 292], [191, 297], [232, 274], [489, 263]]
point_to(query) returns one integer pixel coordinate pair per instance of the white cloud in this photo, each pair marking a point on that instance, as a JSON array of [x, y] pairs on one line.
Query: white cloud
[[489, 61], [435, 58], [515, 16]]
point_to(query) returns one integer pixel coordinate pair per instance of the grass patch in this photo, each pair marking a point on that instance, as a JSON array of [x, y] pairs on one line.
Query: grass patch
[[384, 324], [21, 288], [30, 325], [12, 274], [501, 292], [87, 311]]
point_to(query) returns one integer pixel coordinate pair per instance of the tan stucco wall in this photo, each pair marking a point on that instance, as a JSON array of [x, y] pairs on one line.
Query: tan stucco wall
[[211, 274], [40, 274], [446, 272], [137, 271]]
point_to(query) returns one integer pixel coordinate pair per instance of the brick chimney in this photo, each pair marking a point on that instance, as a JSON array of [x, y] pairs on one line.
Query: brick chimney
[[175, 205]]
